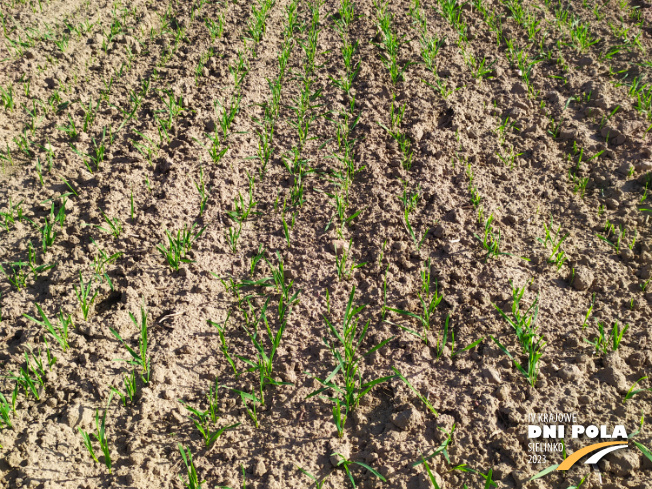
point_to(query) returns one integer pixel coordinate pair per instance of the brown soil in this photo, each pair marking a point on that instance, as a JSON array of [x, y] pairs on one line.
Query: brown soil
[[479, 391]]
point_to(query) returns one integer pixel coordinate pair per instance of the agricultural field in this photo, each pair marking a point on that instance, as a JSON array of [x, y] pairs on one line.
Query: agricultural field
[[281, 244]]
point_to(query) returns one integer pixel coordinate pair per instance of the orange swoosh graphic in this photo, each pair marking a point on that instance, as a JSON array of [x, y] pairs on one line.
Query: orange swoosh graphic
[[568, 463]]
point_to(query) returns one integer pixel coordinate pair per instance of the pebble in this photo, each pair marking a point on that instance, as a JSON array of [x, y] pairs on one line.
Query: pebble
[[614, 135], [409, 419], [492, 375], [614, 378], [583, 279], [338, 246], [643, 165], [623, 463], [570, 373], [79, 415], [259, 468]]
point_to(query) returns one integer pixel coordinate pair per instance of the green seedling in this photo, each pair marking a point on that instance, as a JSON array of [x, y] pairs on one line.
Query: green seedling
[[17, 276], [83, 293], [523, 322], [227, 113], [102, 261], [431, 476], [232, 235], [203, 192], [13, 213], [390, 43], [441, 448], [7, 98], [223, 345], [48, 234], [429, 300], [193, 481], [588, 312], [619, 235], [5, 409], [644, 285], [263, 361], [215, 149], [632, 392], [255, 259], [341, 261], [557, 255], [202, 421], [59, 333], [138, 358], [179, 245], [215, 29], [283, 288], [256, 25], [241, 210], [347, 394], [345, 463], [604, 340], [491, 240], [147, 150], [130, 388], [423, 399], [114, 226], [319, 483], [249, 402], [535, 352], [100, 436], [480, 69]]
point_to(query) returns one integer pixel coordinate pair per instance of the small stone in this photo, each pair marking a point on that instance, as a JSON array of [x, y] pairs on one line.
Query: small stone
[[439, 231], [79, 415], [399, 246], [626, 254], [417, 133], [409, 419], [15, 459], [567, 133], [625, 168], [338, 246], [643, 165], [492, 375], [614, 135], [341, 447], [583, 279], [259, 468], [518, 88], [521, 478], [570, 373], [614, 378], [585, 61], [612, 204], [624, 462]]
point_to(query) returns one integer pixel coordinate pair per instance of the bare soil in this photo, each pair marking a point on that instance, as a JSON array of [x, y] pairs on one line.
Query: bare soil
[[479, 392]]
